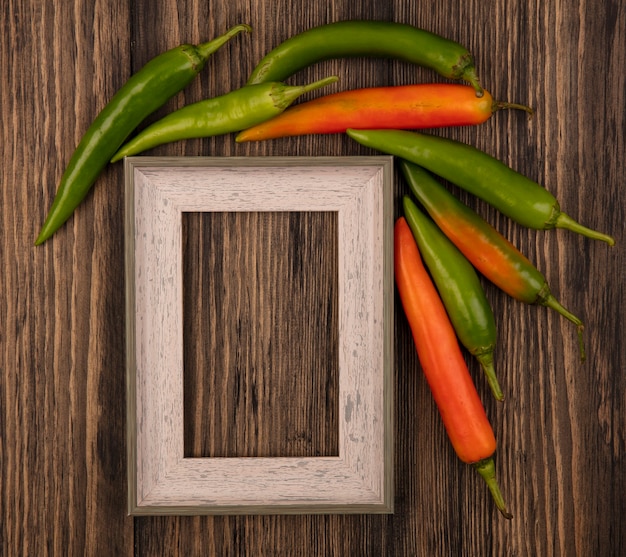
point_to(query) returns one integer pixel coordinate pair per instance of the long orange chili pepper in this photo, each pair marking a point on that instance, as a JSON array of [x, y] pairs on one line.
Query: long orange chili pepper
[[493, 255], [442, 362], [419, 106]]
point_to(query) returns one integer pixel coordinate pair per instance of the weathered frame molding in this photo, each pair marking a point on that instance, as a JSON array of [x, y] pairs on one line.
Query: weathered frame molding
[[160, 479]]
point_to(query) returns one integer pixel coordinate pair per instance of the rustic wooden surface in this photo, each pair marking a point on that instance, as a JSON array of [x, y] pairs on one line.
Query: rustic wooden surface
[[562, 427], [243, 411]]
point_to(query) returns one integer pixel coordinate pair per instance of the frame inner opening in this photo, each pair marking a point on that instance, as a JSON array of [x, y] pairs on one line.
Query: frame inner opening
[[261, 340]]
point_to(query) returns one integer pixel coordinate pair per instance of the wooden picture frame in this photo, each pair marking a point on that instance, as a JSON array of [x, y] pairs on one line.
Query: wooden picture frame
[[160, 479]]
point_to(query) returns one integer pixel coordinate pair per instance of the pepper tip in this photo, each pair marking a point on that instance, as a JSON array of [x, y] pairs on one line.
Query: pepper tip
[[43, 236]]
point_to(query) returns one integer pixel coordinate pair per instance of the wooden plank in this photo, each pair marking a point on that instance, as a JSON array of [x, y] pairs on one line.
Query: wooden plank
[[562, 427], [245, 276], [61, 341]]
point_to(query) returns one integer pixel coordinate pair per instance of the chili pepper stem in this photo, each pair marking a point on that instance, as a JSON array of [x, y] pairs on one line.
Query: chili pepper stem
[[500, 105], [551, 302], [487, 469], [486, 362], [469, 75], [565, 221], [206, 49], [283, 97]]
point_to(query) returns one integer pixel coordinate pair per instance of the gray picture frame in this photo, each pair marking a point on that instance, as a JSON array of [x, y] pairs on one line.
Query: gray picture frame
[[158, 190]]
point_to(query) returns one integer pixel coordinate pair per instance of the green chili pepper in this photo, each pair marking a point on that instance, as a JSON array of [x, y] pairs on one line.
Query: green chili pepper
[[146, 91], [234, 111], [490, 252], [460, 289], [514, 195], [384, 39]]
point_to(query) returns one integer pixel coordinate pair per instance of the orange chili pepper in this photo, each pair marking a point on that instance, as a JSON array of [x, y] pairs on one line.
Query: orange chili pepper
[[493, 255], [442, 362], [425, 105]]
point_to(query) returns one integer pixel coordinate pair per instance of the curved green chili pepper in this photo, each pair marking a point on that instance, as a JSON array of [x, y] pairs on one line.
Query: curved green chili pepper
[[354, 38], [514, 195], [490, 252], [234, 111], [460, 289], [146, 91]]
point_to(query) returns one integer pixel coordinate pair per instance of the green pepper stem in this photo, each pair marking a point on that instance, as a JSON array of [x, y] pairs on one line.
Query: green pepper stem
[[548, 300], [283, 95], [486, 362], [205, 50], [487, 469], [499, 105], [565, 221], [467, 72]]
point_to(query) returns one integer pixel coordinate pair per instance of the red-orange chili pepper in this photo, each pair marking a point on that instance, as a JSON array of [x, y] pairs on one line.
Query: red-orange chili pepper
[[460, 290], [442, 362], [493, 255], [419, 106]]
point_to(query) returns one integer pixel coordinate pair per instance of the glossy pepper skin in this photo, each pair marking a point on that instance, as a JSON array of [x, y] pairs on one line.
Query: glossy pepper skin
[[227, 113], [460, 290], [513, 194], [490, 252], [145, 91], [418, 106], [358, 38], [453, 390]]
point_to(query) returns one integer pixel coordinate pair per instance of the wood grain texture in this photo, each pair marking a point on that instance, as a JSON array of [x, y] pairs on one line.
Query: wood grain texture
[[61, 339], [282, 269], [562, 428]]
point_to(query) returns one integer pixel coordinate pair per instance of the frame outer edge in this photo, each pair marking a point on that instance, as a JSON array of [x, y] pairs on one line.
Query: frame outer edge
[[386, 501], [129, 270]]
